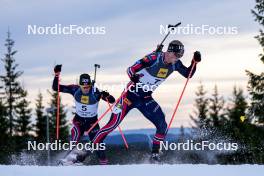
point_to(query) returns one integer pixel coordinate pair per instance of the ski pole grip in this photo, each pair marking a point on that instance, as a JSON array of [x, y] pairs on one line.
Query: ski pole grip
[[174, 26]]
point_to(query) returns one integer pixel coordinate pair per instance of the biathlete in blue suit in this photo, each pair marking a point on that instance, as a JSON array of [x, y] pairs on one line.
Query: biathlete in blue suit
[[86, 98], [147, 74]]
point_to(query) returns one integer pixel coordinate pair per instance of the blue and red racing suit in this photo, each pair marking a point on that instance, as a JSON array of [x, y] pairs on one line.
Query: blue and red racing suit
[[153, 71], [86, 110]]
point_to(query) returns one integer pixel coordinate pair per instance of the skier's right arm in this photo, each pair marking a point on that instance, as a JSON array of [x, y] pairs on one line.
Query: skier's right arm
[[145, 62], [63, 88]]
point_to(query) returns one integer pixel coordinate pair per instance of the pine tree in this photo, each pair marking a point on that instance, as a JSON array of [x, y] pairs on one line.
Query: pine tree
[[3, 132], [256, 81], [3, 116], [10, 80], [201, 108], [41, 121], [238, 106], [23, 115], [216, 105], [64, 129], [3, 120]]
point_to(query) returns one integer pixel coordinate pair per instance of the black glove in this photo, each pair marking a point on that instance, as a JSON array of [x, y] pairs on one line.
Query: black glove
[[57, 68], [105, 94], [135, 78], [159, 48], [107, 97], [197, 56]]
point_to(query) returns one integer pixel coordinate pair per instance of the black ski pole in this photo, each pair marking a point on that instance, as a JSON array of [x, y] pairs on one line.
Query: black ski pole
[[171, 28], [95, 69]]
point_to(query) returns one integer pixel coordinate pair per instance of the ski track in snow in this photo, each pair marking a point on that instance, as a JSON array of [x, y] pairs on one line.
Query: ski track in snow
[[134, 170]]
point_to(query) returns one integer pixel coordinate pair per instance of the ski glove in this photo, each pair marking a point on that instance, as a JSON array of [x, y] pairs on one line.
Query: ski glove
[[105, 93], [197, 56], [135, 78], [159, 48], [57, 68], [106, 96]]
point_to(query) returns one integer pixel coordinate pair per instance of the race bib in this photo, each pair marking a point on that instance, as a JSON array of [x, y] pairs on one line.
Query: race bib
[[85, 110], [151, 82]]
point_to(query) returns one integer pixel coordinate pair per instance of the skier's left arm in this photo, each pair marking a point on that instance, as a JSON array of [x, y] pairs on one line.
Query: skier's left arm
[[185, 71], [145, 62], [107, 97], [104, 95]]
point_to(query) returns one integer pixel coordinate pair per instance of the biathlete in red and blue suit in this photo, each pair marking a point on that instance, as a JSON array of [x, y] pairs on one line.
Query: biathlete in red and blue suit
[[86, 98], [147, 74]]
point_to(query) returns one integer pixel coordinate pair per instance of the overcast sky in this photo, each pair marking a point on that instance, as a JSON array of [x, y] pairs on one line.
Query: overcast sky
[[132, 30]]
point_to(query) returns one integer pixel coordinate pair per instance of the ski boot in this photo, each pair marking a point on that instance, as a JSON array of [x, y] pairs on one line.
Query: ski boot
[[74, 158], [155, 157]]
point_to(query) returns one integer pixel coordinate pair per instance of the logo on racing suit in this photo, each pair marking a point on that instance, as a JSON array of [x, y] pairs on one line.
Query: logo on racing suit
[[85, 99], [127, 101], [145, 59], [162, 73], [117, 109]]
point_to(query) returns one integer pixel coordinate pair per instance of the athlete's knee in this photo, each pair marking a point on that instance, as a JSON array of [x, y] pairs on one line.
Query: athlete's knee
[[94, 132], [75, 133], [162, 127]]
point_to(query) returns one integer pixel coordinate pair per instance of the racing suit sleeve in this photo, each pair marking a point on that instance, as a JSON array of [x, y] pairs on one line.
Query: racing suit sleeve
[[64, 88], [145, 62], [183, 70]]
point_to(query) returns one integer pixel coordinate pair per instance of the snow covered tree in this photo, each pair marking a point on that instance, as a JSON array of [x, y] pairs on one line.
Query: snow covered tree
[[201, 108], [10, 80], [64, 129], [256, 81], [40, 126], [23, 115], [216, 105]]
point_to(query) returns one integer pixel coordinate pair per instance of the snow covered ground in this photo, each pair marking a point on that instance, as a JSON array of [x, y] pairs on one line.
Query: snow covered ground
[[134, 170]]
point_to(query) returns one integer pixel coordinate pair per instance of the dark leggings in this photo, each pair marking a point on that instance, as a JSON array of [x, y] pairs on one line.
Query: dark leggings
[[80, 125], [147, 106]]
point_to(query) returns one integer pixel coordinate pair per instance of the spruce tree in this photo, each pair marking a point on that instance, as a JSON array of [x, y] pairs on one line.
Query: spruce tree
[[23, 115], [3, 116], [256, 81], [40, 126], [3, 120], [238, 106], [216, 108], [201, 108], [10, 79]]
